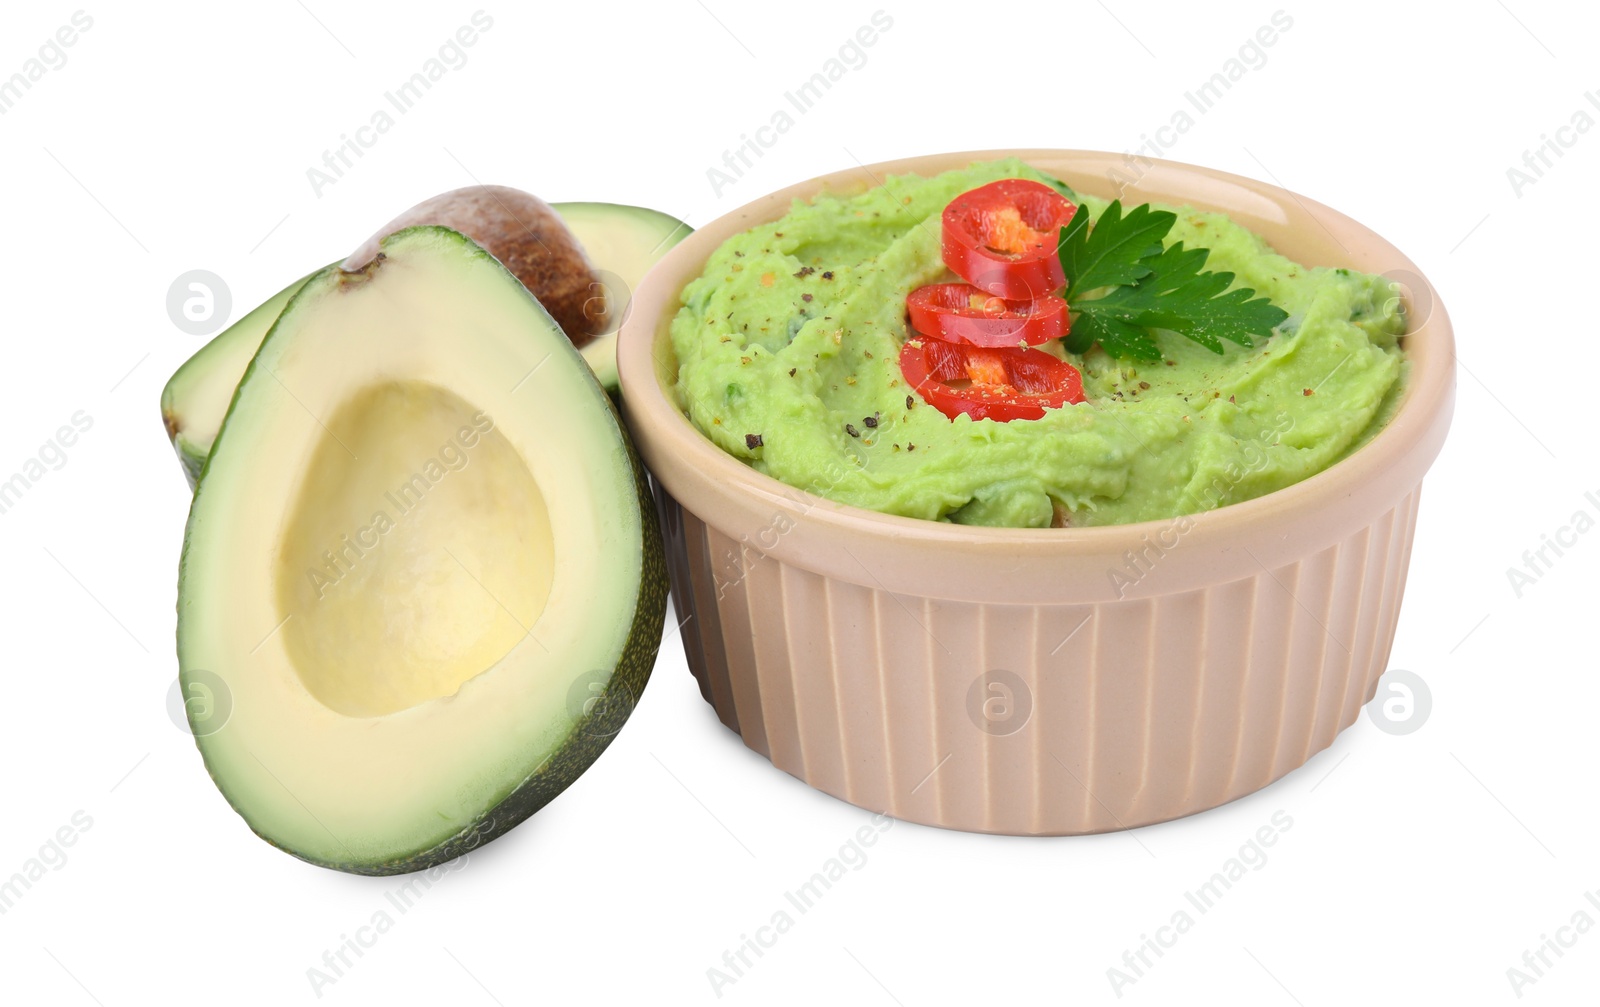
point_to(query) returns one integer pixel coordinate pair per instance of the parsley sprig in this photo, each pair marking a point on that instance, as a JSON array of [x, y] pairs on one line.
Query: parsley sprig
[[1122, 283]]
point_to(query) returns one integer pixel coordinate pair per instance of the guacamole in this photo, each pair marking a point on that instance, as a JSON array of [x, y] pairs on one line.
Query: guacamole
[[788, 350]]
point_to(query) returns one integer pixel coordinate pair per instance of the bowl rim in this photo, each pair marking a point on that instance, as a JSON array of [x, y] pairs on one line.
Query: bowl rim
[[1412, 436]]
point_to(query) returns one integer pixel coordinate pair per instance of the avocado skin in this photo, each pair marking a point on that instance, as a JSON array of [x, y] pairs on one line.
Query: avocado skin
[[193, 462]]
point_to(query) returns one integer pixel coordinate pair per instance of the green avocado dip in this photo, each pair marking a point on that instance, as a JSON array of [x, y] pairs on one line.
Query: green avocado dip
[[788, 350]]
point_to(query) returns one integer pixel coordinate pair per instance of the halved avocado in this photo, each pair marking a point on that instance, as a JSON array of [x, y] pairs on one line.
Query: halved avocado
[[198, 393], [422, 566], [624, 241]]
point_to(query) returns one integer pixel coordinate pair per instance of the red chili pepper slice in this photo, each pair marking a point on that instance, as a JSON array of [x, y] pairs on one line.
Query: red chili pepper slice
[[1009, 383], [1002, 237], [961, 313]]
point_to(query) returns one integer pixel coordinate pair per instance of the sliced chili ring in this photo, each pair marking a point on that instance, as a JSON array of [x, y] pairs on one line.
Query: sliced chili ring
[[961, 313], [997, 383], [1002, 237]]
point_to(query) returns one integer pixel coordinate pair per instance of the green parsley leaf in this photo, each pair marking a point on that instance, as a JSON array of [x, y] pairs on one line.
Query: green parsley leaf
[[1113, 252], [1120, 338], [1151, 287]]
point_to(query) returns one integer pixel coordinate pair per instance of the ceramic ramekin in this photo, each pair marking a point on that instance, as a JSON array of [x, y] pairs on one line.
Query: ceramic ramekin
[[993, 679]]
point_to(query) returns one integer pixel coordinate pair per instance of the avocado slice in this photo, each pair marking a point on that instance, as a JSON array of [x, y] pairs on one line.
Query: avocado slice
[[422, 565], [197, 395], [622, 240]]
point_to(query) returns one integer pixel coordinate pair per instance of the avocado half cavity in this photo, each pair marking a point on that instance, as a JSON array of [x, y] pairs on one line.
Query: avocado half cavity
[[620, 243], [423, 564]]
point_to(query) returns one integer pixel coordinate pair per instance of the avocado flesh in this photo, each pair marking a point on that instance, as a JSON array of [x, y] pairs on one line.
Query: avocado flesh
[[423, 561], [197, 395], [623, 240]]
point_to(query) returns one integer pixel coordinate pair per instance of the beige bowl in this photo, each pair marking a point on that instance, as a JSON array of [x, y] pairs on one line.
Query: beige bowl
[[991, 679]]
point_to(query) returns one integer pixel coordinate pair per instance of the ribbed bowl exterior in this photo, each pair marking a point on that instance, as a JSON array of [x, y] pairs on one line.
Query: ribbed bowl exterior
[[1129, 712], [1042, 681]]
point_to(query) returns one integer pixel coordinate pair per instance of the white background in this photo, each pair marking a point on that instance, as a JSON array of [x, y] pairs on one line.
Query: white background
[[1418, 869]]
